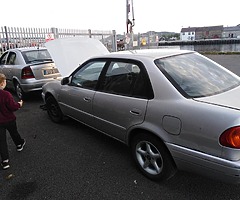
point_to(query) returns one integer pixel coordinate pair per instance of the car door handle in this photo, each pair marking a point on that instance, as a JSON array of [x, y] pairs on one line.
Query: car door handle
[[87, 99], [136, 111]]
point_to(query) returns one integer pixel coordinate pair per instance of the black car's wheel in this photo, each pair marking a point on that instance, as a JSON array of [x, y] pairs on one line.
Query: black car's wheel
[[152, 157], [54, 110], [19, 92]]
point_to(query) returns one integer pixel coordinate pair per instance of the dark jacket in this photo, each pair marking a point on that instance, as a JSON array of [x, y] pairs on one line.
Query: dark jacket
[[7, 106]]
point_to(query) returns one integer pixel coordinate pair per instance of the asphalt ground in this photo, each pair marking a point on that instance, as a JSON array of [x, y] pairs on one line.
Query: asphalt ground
[[70, 161], [231, 62]]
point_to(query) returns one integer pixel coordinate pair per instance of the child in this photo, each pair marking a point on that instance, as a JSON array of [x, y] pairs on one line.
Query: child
[[8, 122]]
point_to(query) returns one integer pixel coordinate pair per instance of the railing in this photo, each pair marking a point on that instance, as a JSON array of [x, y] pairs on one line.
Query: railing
[[13, 37]]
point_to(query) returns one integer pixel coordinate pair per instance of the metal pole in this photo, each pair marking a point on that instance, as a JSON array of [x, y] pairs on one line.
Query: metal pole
[[127, 11], [7, 39], [114, 41]]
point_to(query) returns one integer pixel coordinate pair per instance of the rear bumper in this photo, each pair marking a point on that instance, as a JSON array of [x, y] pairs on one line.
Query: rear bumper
[[206, 165], [30, 85]]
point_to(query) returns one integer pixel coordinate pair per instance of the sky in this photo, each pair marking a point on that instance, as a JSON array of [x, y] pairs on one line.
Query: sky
[[150, 15]]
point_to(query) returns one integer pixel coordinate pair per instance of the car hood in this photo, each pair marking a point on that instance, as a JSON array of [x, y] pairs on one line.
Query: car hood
[[69, 53], [229, 99]]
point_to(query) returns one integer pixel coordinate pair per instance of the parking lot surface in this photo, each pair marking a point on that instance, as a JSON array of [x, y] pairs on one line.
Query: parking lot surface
[[71, 161]]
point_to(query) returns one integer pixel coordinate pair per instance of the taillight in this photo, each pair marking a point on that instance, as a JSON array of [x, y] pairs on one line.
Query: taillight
[[27, 73], [231, 137]]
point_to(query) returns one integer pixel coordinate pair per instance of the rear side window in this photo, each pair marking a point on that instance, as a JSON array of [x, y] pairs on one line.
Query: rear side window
[[126, 79], [11, 58], [3, 59]]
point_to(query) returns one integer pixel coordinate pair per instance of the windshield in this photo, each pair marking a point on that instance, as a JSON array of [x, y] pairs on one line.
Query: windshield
[[196, 76], [39, 55]]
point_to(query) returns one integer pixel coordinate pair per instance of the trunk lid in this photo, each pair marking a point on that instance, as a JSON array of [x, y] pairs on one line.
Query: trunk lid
[[45, 70], [229, 99]]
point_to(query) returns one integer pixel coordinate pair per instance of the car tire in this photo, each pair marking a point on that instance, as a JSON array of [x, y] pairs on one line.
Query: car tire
[[152, 157], [19, 91], [53, 110]]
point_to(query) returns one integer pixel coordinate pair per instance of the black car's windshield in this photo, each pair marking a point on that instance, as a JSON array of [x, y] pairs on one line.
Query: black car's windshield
[[36, 56], [196, 76]]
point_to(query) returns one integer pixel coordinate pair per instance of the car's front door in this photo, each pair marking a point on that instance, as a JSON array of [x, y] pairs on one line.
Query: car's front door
[[122, 98], [76, 98]]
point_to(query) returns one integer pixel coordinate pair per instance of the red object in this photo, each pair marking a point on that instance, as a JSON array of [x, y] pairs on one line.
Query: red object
[[27, 73], [231, 137], [7, 107]]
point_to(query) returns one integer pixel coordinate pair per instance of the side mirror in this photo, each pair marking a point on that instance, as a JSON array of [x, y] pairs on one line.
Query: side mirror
[[65, 81]]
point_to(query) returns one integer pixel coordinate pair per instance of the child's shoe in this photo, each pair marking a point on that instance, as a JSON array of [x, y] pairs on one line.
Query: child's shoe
[[20, 146], [5, 164]]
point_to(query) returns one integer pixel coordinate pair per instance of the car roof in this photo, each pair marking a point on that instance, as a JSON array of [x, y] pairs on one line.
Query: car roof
[[150, 53], [23, 49]]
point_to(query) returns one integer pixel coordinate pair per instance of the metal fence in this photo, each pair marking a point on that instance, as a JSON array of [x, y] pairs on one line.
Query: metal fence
[[13, 37]]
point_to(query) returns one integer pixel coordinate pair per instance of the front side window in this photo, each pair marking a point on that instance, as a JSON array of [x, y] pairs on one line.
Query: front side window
[[196, 76], [87, 76]]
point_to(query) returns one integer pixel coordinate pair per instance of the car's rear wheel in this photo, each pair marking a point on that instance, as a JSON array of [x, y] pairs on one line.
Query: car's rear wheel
[[152, 157], [19, 91], [54, 110]]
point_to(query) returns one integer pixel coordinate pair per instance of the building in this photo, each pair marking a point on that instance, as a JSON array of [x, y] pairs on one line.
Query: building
[[209, 32], [188, 33], [199, 33], [231, 32]]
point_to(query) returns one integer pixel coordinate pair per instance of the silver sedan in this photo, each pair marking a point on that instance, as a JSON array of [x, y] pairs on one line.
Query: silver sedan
[[175, 109], [28, 69]]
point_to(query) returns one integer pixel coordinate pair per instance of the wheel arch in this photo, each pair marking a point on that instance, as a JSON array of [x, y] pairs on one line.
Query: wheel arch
[[137, 131], [49, 94], [15, 80], [133, 133]]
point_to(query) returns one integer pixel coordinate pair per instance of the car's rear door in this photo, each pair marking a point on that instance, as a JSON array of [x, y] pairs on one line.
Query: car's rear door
[[122, 98]]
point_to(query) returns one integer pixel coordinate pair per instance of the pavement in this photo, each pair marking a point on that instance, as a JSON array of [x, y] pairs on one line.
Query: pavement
[[70, 161]]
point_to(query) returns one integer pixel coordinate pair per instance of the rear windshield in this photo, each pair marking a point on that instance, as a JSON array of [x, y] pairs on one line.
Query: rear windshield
[[197, 76], [38, 55]]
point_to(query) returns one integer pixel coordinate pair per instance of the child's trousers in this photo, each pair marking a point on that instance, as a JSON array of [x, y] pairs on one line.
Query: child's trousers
[[17, 139]]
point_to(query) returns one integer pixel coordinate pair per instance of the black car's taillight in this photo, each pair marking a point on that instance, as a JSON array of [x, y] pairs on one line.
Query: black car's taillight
[[231, 137], [27, 73]]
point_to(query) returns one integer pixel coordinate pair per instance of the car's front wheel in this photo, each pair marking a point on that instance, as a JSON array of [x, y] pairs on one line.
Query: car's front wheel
[[54, 110], [152, 157]]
